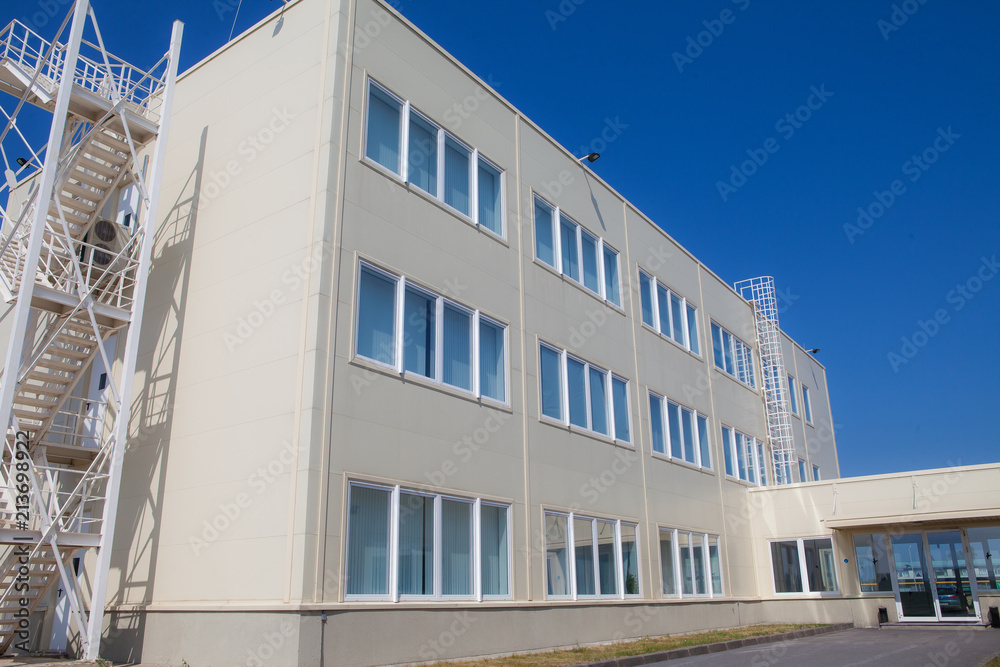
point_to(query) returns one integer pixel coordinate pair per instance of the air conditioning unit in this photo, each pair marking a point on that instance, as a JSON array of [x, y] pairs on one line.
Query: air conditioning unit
[[106, 240]]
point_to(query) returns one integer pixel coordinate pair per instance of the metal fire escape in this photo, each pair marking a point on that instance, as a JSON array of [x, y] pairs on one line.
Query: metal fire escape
[[760, 293], [74, 283]]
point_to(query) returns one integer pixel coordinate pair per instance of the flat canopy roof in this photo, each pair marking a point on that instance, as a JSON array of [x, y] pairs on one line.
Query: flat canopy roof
[[915, 519]]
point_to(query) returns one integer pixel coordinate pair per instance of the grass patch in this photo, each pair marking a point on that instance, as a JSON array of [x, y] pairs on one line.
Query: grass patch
[[995, 662], [639, 647]]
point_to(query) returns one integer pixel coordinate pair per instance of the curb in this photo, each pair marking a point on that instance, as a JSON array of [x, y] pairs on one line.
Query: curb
[[704, 649]]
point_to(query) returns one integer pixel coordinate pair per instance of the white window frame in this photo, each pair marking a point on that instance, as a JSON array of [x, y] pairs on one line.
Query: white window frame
[[793, 396], [395, 492], [803, 471], [503, 196], [403, 130], [611, 376], [557, 246], [397, 324], [655, 284], [803, 573], [675, 549], [571, 518], [739, 350], [399, 335], [736, 440], [807, 404], [404, 159], [668, 443], [816, 475]]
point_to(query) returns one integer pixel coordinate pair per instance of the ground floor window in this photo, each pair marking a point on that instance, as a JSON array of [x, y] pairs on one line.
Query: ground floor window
[[405, 543], [872, 560], [985, 545], [804, 565], [690, 563], [588, 557]]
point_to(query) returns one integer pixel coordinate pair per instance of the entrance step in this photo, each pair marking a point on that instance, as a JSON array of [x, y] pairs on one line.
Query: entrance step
[[932, 625]]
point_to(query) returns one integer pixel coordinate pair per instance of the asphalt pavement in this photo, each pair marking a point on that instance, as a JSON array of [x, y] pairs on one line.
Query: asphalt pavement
[[932, 647]]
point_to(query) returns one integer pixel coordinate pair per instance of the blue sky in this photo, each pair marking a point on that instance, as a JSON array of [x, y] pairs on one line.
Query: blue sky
[[753, 132]]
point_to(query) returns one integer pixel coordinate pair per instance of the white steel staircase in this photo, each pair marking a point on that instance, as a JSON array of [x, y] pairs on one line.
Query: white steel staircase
[[75, 281], [761, 294]]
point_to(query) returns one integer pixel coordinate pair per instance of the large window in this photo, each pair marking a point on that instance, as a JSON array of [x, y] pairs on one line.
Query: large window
[[436, 161], [588, 557], [437, 338], [410, 544], [807, 404], [690, 564], [985, 544], [872, 560], [582, 395], [679, 432], [804, 565], [576, 253], [668, 313], [803, 475], [745, 456], [733, 356], [793, 397]]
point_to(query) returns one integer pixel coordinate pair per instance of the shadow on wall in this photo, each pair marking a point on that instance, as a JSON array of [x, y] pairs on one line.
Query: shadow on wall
[[136, 549]]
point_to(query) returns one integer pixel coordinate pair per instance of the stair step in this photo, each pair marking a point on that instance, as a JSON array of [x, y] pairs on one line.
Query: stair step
[[53, 364], [50, 378], [26, 415], [81, 207], [93, 150], [66, 352], [112, 141], [39, 390], [85, 193], [90, 179], [110, 171], [81, 325], [83, 341], [34, 402], [72, 216]]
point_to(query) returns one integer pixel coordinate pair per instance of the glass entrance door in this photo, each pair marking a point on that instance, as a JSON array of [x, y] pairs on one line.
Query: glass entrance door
[[932, 578], [954, 591], [915, 599]]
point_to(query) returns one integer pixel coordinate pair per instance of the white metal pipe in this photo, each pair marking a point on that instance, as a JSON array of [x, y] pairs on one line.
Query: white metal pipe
[[100, 589]]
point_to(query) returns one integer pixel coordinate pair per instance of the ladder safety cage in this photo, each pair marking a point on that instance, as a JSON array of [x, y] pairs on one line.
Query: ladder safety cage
[[761, 294], [74, 280]]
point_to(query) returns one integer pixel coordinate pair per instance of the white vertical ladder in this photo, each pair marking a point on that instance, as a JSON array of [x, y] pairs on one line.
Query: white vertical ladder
[[761, 294]]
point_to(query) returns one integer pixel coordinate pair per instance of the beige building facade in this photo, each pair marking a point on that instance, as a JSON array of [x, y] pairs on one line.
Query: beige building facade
[[416, 384]]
